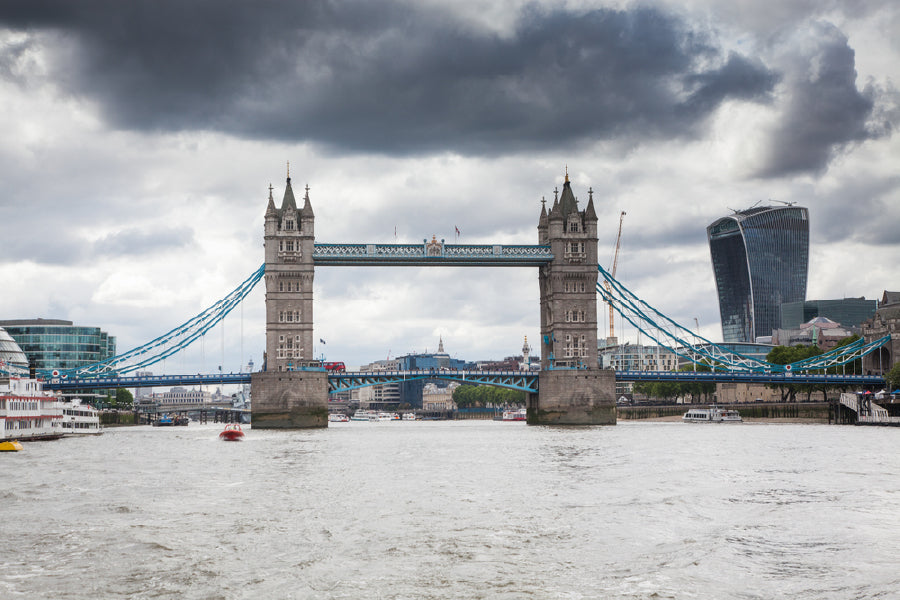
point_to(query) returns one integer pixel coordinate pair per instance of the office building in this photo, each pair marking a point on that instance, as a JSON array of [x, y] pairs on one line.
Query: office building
[[819, 331], [760, 261], [635, 357], [58, 344], [849, 312]]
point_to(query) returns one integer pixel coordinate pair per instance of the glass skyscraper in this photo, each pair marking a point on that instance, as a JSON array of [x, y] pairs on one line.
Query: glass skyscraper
[[760, 260]]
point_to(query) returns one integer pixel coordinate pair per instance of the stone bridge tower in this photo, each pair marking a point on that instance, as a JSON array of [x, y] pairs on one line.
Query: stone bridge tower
[[285, 393], [289, 244], [573, 389]]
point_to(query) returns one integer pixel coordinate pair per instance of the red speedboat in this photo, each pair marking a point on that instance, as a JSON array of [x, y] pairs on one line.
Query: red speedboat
[[232, 433]]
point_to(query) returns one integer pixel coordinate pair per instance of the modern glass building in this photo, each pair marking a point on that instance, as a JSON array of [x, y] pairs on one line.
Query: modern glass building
[[849, 312], [760, 261], [58, 344]]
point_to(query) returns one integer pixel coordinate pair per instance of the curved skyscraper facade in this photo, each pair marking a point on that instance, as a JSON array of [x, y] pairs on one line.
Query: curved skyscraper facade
[[760, 260]]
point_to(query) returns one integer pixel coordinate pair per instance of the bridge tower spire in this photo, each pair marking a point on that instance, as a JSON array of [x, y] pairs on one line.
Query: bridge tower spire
[[568, 284], [289, 243], [573, 389]]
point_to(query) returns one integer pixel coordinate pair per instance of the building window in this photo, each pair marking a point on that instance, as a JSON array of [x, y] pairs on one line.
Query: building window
[[574, 250]]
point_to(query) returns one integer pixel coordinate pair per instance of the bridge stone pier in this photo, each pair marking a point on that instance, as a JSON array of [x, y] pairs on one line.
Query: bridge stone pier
[[291, 392]]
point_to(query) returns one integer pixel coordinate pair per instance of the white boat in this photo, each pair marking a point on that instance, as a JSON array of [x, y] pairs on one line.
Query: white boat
[[409, 416], [515, 415], [79, 418], [27, 412], [338, 418], [364, 415], [713, 414]]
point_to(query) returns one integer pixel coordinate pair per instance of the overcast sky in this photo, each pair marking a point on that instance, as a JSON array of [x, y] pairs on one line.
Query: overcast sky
[[140, 138]]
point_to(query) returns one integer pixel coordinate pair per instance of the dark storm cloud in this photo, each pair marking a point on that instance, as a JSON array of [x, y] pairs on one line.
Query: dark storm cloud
[[388, 77], [826, 111]]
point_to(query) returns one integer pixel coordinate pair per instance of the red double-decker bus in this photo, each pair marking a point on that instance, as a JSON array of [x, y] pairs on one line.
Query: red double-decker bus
[[334, 366]]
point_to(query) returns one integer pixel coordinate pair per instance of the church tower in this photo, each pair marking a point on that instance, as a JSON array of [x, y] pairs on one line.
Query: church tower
[[568, 283], [289, 243]]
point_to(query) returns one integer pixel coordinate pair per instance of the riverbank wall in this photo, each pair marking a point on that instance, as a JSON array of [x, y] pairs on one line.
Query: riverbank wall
[[808, 412]]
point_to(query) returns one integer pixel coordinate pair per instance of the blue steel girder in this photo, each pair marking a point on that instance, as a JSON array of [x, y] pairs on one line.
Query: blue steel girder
[[523, 381], [169, 343], [697, 349], [431, 254]]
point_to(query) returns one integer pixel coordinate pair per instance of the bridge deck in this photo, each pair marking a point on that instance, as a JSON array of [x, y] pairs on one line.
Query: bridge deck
[[520, 380]]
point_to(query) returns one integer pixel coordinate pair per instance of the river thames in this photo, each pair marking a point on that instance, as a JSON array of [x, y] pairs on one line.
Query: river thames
[[467, 509]]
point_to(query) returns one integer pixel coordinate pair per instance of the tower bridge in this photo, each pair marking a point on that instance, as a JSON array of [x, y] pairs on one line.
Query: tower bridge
[[292, 390], [569, 388]]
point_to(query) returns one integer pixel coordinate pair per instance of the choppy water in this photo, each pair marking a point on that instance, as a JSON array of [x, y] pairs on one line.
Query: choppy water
[[456, 510]]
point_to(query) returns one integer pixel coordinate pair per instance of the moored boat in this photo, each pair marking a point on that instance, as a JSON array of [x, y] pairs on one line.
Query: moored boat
[[78, 418], [27, 412], [514, 415], [713, 414], [165, 421], [338, 418], [364, 415], [409, 416], [232, 433]]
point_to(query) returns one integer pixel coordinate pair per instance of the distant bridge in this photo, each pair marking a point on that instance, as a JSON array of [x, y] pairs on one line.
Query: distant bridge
[[526, 381]]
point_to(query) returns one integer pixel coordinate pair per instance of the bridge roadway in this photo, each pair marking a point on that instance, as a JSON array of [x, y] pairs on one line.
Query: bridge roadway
[[517, 380]]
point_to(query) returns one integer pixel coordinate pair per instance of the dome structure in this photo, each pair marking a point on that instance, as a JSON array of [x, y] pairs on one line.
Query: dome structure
[[12, 359]]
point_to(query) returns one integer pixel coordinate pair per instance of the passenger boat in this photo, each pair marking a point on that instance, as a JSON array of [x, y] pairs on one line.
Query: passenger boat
[[364, 415], [78, 418], [165, 421], [27, 412], [409, 416], [232, 433], [514, 415], [338, 418], [713, 414]]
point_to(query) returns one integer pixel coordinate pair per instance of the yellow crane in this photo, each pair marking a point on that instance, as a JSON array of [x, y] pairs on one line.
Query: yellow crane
[[612, 272]]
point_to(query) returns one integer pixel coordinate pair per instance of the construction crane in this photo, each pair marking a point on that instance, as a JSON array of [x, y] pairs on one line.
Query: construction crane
[[612, 333]]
